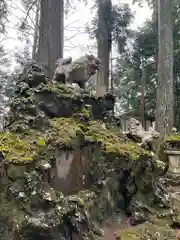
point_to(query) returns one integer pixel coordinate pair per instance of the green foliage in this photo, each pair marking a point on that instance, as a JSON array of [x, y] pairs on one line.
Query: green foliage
[[119, 19], [145, 49]]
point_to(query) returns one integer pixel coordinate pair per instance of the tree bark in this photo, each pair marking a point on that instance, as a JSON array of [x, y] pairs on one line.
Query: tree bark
[[165, 98], [142, 99], [104, 36], [36, 31], [51, 33]]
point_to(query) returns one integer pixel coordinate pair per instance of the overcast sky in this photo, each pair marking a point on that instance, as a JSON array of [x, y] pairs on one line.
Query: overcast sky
[[76, 41], [82, 43]]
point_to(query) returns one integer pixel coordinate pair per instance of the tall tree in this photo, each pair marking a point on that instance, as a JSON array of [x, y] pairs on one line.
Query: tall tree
[[111, 27], [104, 36], [3, 61], [51, 33], [36, 31], [165, 98]]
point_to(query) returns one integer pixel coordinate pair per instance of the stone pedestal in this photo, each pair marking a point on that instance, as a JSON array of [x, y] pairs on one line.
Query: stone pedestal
[[174, 161]]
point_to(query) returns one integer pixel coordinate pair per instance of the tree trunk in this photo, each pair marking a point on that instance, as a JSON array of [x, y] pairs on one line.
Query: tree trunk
[[36, 31], [165, 98], [104, 36], [51, 33], [142, 98]]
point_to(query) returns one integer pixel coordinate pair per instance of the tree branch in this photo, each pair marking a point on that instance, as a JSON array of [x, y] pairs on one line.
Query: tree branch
[[29, 9]]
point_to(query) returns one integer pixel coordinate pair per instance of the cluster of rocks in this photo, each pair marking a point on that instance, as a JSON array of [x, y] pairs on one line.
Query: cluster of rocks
[[60, 163]]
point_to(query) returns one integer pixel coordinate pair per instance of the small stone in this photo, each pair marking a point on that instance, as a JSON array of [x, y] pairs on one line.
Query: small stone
[[50, 195], [22, 195], [138, 218], [46, 166]]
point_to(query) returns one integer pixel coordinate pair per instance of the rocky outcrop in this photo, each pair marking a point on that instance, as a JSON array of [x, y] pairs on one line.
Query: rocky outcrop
[[36, 100], [63, 170], [163, 221]]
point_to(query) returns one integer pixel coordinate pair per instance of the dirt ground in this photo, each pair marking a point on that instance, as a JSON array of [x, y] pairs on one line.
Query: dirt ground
[[110, 229]]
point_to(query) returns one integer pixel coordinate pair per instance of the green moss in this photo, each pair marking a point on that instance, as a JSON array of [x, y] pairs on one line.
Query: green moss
[[28, 146], [152, 228], [84, 198], [63, 89], [113, 143], [67, 132], [173, 138], [18, 149], [59, 88], [64, 133], [27, 98]]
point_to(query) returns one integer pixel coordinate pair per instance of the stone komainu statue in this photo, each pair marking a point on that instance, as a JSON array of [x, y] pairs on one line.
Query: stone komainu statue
[[79, 71]]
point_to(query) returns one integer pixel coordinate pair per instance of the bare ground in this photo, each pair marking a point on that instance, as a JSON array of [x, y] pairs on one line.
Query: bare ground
[[111, 228]]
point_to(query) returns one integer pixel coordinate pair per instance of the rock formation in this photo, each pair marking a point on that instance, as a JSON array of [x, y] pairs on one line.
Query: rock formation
[[64, 170]]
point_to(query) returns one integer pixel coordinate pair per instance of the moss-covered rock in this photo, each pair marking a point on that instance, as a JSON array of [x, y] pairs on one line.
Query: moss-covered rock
[[17, 149], [152, 229], [58, 100], [113, 173], [114, 143], [65, 133], [47, 123]]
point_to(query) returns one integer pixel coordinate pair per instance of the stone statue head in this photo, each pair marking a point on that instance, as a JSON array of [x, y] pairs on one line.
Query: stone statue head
[[94, 64]]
